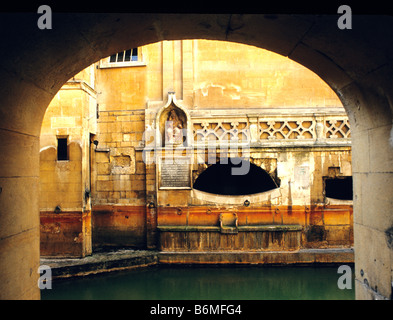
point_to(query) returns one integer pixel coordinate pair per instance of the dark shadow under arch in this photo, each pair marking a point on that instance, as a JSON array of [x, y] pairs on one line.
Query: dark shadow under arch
[[221, 178]]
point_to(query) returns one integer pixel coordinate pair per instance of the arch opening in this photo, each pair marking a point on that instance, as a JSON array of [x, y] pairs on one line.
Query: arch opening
[[339, 188], [331, 74], [221, 178]]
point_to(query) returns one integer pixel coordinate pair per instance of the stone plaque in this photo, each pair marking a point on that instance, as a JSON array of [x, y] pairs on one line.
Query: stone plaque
[[175, 173], [302, 176]]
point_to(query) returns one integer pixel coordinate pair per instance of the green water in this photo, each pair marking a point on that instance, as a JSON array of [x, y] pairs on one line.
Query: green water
[[205, 283]]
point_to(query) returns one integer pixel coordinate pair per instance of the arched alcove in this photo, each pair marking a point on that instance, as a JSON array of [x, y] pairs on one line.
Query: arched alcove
[[172, 124], [234, 177]]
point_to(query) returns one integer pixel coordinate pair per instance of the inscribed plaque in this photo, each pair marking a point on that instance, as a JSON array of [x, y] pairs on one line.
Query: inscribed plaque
[[175, 173]]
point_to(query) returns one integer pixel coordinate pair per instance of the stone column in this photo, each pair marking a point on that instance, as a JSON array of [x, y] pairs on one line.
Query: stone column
[[372, 149], [21, 115], [253, 121]]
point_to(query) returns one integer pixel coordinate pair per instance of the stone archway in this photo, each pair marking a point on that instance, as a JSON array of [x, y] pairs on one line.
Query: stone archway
[[219, 179], [35, 63]]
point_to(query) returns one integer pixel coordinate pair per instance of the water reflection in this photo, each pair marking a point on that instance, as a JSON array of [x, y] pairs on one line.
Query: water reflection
[[206, 283]]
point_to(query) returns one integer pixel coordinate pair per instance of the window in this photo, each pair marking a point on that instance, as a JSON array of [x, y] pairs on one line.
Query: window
[[62, 149], [125, 56], [339, 188]]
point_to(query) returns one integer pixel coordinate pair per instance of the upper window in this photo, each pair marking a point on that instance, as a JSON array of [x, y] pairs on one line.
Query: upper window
[[124, 56], [127, 58]]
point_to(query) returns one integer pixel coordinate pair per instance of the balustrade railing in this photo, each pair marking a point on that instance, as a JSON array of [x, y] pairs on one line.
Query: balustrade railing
[[334, 129]]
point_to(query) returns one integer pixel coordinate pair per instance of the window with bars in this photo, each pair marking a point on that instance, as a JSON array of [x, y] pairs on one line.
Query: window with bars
[[124, 56]]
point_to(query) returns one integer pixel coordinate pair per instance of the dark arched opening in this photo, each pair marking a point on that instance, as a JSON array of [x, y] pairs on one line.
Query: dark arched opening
[[339, 188], [234, 177]]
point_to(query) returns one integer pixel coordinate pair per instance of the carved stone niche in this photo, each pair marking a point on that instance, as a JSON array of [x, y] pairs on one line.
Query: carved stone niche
[[173, 125]]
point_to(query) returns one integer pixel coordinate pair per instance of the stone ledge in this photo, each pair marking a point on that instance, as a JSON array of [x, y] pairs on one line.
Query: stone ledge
[[100, 262], [271, 228], [129, 259], [299, 257]]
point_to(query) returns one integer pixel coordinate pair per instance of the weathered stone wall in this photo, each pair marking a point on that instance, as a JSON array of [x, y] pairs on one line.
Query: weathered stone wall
[[294, 128], [119, 226], [215, 89], [65, 187], [320, 226], [119, 171]]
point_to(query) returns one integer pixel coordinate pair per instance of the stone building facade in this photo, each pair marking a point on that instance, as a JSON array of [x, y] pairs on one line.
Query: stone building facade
[[195, 145]]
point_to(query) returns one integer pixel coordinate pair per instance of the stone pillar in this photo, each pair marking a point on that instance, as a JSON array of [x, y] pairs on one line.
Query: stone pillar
[[22, 106], [151, 226], [319, 128], [254, 132], [19, 216], [372, 150]]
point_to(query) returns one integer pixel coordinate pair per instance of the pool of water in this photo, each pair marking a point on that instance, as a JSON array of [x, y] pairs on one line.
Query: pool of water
[[205, 283]]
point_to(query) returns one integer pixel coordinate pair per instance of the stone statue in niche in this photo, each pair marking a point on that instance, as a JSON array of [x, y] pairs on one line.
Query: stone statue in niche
[[173, 129]]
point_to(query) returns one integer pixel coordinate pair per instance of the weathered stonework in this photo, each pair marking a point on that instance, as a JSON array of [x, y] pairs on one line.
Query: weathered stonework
[[181, 101]]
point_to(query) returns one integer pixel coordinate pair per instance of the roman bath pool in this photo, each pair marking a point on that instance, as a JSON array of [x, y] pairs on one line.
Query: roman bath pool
[[164, 282]]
